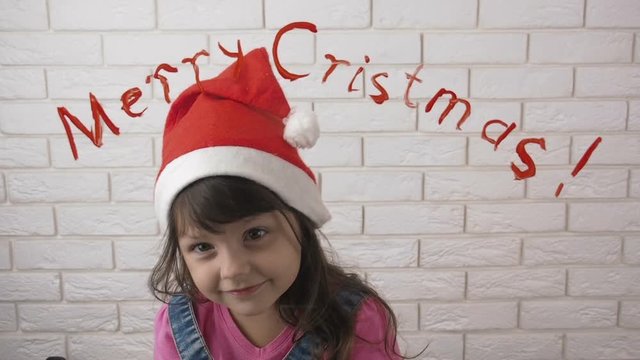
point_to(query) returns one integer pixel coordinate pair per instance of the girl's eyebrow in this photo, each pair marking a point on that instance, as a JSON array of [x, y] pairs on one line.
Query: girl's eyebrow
[[195, 234], [189, 238], [251, 218], [198, 235]]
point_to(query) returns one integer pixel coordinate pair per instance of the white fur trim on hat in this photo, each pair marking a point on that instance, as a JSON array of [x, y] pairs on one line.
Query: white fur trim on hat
[[291, 183]]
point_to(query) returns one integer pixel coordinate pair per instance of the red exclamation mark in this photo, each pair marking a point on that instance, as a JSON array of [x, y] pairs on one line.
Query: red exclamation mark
[[582, 162]]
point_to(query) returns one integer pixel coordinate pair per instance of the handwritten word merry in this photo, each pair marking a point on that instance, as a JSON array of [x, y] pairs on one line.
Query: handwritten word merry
[[131, 96]]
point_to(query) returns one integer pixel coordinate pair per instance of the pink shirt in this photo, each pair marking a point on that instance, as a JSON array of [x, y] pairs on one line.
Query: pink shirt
[[226, 342]]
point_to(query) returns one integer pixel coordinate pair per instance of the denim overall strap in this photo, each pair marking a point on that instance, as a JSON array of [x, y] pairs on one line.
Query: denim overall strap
[[186, 334], [302, 350]]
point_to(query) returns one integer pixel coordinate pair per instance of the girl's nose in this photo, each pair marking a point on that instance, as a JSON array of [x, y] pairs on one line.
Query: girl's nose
[[234, 265]]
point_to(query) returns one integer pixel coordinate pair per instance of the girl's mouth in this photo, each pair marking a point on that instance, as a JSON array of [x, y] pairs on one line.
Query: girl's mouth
[[246, 291]]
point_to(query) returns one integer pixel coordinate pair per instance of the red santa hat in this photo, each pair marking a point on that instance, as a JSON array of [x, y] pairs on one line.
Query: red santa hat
[[234, 124]]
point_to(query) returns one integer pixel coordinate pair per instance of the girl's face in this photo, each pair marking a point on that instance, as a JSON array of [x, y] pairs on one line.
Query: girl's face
[[247, 265]]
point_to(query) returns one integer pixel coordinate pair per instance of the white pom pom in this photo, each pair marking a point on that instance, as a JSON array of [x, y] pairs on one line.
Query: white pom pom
[[301, 129]]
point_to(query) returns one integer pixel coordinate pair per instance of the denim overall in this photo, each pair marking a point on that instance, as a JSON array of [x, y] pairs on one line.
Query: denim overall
[[191, 344]]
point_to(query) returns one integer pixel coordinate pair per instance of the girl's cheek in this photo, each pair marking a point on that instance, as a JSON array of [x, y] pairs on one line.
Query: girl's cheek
[[203, 280], [196, 270]]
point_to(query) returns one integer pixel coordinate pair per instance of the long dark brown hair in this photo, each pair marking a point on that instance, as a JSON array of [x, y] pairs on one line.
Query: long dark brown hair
[[310, 303]]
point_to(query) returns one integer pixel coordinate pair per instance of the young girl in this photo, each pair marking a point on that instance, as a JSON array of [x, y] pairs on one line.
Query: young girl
[[242, 269]]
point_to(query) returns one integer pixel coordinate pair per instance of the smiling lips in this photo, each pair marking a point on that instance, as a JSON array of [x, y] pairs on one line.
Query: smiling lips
[[245, 291]]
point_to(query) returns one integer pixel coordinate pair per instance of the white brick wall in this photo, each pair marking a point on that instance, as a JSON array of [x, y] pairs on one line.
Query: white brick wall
[[590, 184], [501, 284], [128, 346], [637, 52], [399, 48], [132, 186], [580, 47], [364, 186], [475, 48], [429, 14], [8, 320], [607, 81], [626, 13], [3, 194], [599, 346], [634, 184], [326, 14], [555, 314], [335, 151], [634, 110], [12, 84], [22, 153], [107, 220], [75, 49], [480, 152], [441, 346], [23, 15], [413, 151], [206, 15], [40, 118], [98, 15], [151, 49], [630, 314], [575, 116], [26, 220], [105, 286], [619, 216], [521, 82], [413, 219], [481, 112], [434, 78], [468, 316], [632, 250], [29, 286], [311, 87], [104, 83], [5, 255], [493, 251], [137, 317], [73, 317], [476, 265], [136, 254], [296, 47], [57, 187], [26, 347], [52, 254], [513, 346], [531, 14], [345, 219], [419, 284], [376, 252], [115, 152], [407, 316], [587, 250], [604, 281], [529, 217], [365, 116], [630, 143], [471, 185]]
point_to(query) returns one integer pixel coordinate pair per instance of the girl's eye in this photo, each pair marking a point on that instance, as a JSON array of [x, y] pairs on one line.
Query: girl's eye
[[255, 234], [201, 247]]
